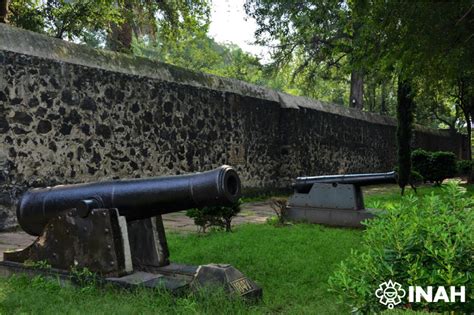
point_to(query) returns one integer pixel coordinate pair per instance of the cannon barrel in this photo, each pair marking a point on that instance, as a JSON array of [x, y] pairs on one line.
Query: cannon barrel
[[135, 199], [303, 184]]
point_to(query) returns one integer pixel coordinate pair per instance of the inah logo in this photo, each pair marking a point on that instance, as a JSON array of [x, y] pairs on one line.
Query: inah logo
[[390, 293]]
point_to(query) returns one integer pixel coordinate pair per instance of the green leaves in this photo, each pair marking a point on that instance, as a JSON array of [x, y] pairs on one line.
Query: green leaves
[[64, 19], [80, 20], [313, 40], [426, 241], [214, 216], [434, 166]]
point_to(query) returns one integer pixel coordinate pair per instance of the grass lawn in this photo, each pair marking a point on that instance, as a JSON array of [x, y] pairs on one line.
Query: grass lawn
[[379, 196], [292, 264]]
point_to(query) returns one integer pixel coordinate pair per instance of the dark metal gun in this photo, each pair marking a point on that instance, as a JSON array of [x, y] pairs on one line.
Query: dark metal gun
[[304, 184], [135, 199]]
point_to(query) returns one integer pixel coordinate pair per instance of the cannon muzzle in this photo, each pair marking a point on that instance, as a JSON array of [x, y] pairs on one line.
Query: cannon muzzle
[[135, 199]]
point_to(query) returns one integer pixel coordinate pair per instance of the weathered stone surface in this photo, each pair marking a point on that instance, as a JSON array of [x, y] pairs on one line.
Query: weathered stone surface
[[4, 125], [22, 118], [88, 104], [87, 115], [44, 126]]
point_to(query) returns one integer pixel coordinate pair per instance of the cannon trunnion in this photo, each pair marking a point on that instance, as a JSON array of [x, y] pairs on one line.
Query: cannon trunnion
[[334, 200], [115, 230]]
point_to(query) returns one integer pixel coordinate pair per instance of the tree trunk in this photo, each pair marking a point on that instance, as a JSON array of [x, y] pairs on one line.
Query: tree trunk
[[357, 89], [120, 36], [4, 11], [469, 134], [228, 224], [470, 178], [383, 101], [356, 98], [405, 109], [373, 96], [470, 139]]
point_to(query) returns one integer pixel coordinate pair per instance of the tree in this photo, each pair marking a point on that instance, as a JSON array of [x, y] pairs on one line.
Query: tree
[[404, 132], [87, 20], [61, 18], [315, 33], [142, 18], [464, 94], [197, 51], [436, 106], [419, 41], [240, 65]]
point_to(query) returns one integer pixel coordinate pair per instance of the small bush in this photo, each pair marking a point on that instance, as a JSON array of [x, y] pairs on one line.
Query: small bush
[[84, 278], [279, 207], [434, 166], [421, 162], [215, 216], [423, 242], [443, 166], [465, 167], [416, 178]]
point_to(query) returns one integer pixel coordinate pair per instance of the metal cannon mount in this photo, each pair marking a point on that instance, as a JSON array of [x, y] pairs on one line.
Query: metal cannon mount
[[334, 200], [115, 230]]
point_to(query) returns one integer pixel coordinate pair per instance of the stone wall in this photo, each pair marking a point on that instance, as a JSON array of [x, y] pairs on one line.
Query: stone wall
[[70, 114]]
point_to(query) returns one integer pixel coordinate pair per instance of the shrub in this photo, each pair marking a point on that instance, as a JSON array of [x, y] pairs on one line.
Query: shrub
[[279, 207], [84, 278], [434, 166], [416, 178], [421, 162], [215, 216], [465, 167], [426, 242], [443, 166]]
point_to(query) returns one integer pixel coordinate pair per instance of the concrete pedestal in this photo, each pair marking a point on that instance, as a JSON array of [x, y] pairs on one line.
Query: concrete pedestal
[[331, 217]]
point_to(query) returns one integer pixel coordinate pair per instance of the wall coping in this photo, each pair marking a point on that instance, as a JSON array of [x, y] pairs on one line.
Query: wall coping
[[25, 42]]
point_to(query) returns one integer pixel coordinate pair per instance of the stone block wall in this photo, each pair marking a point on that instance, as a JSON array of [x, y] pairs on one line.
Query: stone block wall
[[71, 114]]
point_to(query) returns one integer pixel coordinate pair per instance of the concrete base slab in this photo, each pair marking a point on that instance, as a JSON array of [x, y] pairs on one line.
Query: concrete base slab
[[331, 217], [133, 280]]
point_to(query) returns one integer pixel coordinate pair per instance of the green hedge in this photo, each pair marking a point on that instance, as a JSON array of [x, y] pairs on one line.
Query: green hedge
[[434, 166], [421, 162], [465, 167]]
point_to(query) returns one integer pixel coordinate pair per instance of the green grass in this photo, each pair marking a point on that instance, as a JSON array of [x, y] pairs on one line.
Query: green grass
[[291, 263], [381, 196]]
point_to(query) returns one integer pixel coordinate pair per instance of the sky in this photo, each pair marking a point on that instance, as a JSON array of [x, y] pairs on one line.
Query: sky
[[230, 24]]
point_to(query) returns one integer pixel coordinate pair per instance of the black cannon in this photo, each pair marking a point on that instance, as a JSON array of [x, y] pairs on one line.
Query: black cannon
[[115, 229], [334, 200], [304, 184], [134, 199]]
